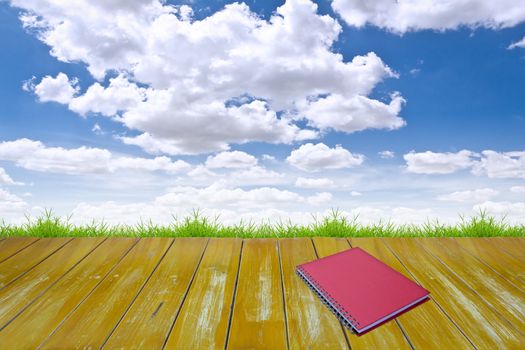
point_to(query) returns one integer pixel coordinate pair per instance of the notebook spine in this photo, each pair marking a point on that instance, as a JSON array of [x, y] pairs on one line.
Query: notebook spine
[[342, 314]]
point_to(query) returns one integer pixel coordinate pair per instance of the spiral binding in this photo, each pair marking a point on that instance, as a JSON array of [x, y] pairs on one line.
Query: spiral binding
[[342, 314]]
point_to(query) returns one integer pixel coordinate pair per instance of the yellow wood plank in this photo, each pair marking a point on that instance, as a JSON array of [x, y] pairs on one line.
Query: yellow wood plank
[[426, 326], [204, 317], [35, 324], [514, 246], [26, 259], [148, 321], [10, 246], [505, 297], [508, 266], [258, 319], [20, 293], [485, 327], [310, 324], [388, 335], [92, 322]]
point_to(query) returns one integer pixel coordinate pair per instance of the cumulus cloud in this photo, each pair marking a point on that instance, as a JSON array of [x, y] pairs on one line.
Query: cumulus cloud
[[59, 89], [6, 179], [356, 194], [303, 182], [340, 113], [120, 95], [438, 163], [518, 44], [406, 15], [477, 195], [232, 160], [255, 175], [187, 86], [310, 157], [220, 195], [34, 155], [10, 203], [501, 165], [387, 154]]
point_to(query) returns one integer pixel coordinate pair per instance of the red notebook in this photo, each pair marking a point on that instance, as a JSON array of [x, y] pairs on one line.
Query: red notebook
[[360, 290]]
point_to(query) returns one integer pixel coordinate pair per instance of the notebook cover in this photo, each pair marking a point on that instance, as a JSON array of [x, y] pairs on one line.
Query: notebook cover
[[365, 290]]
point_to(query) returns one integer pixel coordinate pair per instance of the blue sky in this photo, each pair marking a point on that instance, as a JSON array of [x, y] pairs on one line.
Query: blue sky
[[128, 116]]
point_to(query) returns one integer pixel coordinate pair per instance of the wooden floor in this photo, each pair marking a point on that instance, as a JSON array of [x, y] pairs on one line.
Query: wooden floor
[[199, 293]]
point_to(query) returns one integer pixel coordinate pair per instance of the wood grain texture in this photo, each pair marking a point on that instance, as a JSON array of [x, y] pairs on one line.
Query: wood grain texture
[[19, 294], [483, 325], [514, 246], [36, 323], [389, 334], [203, 320], [258, 319], [506, 265], [27, 258], [427, 326], [310, 324], [503, 296], [11, 246], [148, 321], [90, 324]]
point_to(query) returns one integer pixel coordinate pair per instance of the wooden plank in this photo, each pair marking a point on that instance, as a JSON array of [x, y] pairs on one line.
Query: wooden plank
[[512, 269], [35, 324], [19, 294], [310, 324], [505, 297], [26, 259], [11, 246], [427, 326], [91, 323], [204, 317], [389, 335], [514, 246], [148, 321], [483, 325], [258, 318]]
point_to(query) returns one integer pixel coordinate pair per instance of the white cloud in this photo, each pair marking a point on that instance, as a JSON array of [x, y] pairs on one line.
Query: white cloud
[[438, 163], [202, 173], [518, 189], [406, 15], [220, 195], [310, 157], [231, 160], [303, 182], [322, 198], [511, 210], [195, 86], [120, 95], [387, 154], [6, 179], [501, 165], [356, 194], [97, 130], [520, 44], [340, 113], [10, 203], [268, 157], [34, 155], [477, 195], [255, 175], [59, 89], [490, 163]]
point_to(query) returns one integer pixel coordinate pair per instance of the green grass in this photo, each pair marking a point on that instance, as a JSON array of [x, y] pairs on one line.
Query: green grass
[[197, 225]]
